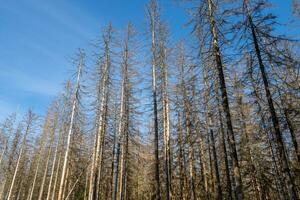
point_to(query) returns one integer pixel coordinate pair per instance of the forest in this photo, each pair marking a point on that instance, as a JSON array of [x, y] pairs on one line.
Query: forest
[[213, 116]]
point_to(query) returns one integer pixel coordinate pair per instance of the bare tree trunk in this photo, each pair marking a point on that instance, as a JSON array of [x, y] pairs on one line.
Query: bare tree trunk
[[227, 170], [165, 105], [70, 132], [189, 132], [113, 155], [278, 136], [180, 158], [28, 125], [217, 174], [56, 176], [125, 116], [120, 137], [291, 129], [95, 174], [54, 164], [153, 15], [254, 179], [38, 164], [225, 103], [211, 180], [34, 179], [48, 158], [278, 178]]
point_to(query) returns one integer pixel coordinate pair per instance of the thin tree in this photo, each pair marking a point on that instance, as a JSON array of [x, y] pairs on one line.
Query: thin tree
[[153, 16], [70, 131]]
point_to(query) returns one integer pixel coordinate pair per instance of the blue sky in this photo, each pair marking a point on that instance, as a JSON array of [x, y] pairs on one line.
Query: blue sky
[[38, 38]]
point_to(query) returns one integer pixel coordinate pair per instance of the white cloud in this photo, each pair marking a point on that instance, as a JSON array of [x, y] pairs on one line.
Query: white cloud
[[22, 80]]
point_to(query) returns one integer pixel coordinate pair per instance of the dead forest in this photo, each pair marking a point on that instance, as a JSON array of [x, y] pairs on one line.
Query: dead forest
[[213, 116]]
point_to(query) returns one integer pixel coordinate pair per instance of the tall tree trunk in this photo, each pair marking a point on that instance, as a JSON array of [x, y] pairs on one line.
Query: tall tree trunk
[[180, 158], [113, 154], [280, 186], [252, 166], [217, 53], [165, 108], [95, 173], [54, 162], [48, 158], [70, 132], [226, 163], [217, 174], [28, 125], [291, 129], [153, 15], [278, 136], [57, 174]]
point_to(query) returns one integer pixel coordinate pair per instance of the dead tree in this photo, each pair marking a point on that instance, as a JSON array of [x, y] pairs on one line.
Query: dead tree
[[70, 131]]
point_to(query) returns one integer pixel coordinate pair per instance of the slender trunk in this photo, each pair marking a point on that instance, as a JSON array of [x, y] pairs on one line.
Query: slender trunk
[[278, 136], [211, 180], [253, 170], [113, 158], [54, 164], [47, 161], [153, 25], [180, 158], [166, 118], [189, 132], [236, 168], [280, 186], [95, 173], [217, 174], [120, 141], [292, 132], [70, 132], [97, 189], [56, 175], [34, 179], [202, 161], [227, 170], [30, 118], [125, 116]]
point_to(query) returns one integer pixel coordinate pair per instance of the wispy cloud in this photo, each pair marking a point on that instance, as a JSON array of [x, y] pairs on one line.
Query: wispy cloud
[[23, 81]]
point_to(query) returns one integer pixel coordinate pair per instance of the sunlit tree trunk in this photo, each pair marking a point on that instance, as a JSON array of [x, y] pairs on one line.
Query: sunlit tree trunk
[[48, 157], [153, 20], [29, 120], [70, 131]]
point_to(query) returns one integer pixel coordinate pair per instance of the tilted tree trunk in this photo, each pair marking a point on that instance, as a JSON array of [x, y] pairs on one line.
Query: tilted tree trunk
[[56, 175], [291, 128], [54, 163], [48, 157], [278, 179], [29, 121], [70, 131], [218, 192], [278, 136], [217, 53], [23, 146], [226, 162]]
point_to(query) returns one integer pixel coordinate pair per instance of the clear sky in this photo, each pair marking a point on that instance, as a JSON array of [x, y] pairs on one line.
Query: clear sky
[[38, 38]]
